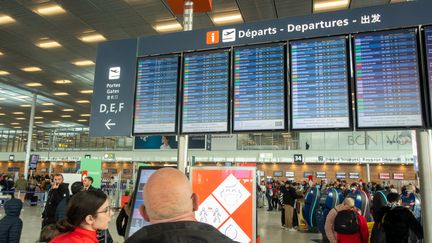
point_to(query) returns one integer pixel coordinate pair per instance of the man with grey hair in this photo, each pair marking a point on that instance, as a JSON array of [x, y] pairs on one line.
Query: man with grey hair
[[169, 205]]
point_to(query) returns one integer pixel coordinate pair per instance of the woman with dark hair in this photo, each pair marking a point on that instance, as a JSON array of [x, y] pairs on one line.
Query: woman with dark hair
[[86, 212]]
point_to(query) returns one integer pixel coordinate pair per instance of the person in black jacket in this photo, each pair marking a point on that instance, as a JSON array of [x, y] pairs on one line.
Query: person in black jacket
[[58, 192], [288, 200], [169, 206], [397, 221], [11, 225], [88, 181]]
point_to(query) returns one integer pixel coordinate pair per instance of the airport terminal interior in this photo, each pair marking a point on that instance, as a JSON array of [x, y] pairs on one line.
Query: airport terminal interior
[[251, 99]]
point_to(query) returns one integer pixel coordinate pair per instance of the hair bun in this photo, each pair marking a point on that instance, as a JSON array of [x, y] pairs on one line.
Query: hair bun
[[64, 226]]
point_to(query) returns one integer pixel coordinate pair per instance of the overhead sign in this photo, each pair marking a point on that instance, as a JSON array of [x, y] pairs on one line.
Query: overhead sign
[[228, 200], [298, 158], [114, 84], [385, 16]]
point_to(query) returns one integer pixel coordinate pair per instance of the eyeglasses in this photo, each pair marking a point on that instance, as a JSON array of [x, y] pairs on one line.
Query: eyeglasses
[[106, 210]]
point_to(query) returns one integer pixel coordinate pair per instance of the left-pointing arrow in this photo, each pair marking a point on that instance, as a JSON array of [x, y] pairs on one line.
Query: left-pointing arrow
[[108, 124]]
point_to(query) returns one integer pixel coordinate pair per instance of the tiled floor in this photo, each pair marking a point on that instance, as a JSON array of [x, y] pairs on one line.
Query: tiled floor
[[268, 228]]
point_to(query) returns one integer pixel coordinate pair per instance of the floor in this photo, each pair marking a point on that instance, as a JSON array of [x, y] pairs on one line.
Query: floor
[[268, 228]]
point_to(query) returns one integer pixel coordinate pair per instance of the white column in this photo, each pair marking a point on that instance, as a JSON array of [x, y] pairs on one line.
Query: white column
[[425, 171], [368, 172], [182, 150], [29, 137]]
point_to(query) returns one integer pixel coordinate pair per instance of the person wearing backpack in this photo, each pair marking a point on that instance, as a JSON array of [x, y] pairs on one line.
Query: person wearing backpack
[[345, 225], [398, 222]]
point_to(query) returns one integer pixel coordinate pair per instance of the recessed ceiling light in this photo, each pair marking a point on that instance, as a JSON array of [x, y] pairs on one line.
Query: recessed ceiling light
[[85, 115], [6, 19], [15, 123], [62, 81], [61, 93], [3, 73], [83, 101], [38, 117], [82, 120], [22, 97], [327, 5], [83, 63], [1, 53], [38, 122], [1, 124], [31, 69], [25, 105], [51, 9], [2, 114], [20, 118], [18, 113], [48, 44], [47, 111], [86, 91], [68, 109], [92, 38], [227, 18], [55, 121], [33, 84], [169, 26], [48, 104], [18, 127], [64, 116]]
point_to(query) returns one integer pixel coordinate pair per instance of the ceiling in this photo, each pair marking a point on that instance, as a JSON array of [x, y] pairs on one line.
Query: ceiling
[[114, 19]]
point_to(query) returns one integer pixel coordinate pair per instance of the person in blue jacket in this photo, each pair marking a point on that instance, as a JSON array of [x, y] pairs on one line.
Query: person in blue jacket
[[11, 224]]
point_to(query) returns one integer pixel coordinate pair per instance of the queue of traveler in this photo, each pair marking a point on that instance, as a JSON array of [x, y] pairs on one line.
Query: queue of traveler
[[395, 215]]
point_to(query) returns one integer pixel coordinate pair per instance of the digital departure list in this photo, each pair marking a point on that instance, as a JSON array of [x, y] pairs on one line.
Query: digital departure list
[[428, 41], [156, 95], [387, 79], [205, 92], [259, 88], [319, 83]]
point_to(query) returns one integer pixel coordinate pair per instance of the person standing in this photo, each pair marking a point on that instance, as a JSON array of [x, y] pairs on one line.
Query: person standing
[[288, 200], [20, 188], [88, 181], [58, 192], [11, 225], [398, 222]]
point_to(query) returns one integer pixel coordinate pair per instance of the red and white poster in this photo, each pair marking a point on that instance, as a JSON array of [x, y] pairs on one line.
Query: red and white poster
[[227, 200], [398, 176], [384, 176]]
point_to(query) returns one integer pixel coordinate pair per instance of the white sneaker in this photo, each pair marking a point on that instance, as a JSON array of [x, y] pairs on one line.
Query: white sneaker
[[292, 230]]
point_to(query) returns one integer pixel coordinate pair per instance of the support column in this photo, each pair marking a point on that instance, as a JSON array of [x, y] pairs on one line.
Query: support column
[[29, 137], [182, 150], [368, 172], [425, 171]]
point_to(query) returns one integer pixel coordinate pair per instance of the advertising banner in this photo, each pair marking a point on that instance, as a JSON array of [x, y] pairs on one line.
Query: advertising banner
[[167, 142], [94, 169], [227, 200]]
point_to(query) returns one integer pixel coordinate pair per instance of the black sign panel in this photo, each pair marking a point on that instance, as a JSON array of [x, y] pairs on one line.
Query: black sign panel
[[319, 83], [259, 88], [205, 106], [156, 95], [298, 158], [388, 92], [112, 102]]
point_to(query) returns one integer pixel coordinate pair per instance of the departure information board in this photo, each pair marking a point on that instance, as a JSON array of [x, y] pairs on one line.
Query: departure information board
[[319, 83], [156, 95], [428, 41], [259, 88], [206, 92], [387, 79]]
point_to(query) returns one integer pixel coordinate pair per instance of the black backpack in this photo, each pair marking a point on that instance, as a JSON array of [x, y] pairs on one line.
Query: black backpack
[[346, 222]]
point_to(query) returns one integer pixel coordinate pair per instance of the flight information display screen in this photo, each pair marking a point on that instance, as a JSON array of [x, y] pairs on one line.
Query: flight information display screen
[[319, 83], [428, 41], [387, 79], [259, 88], [156, 94], [206, 92]]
